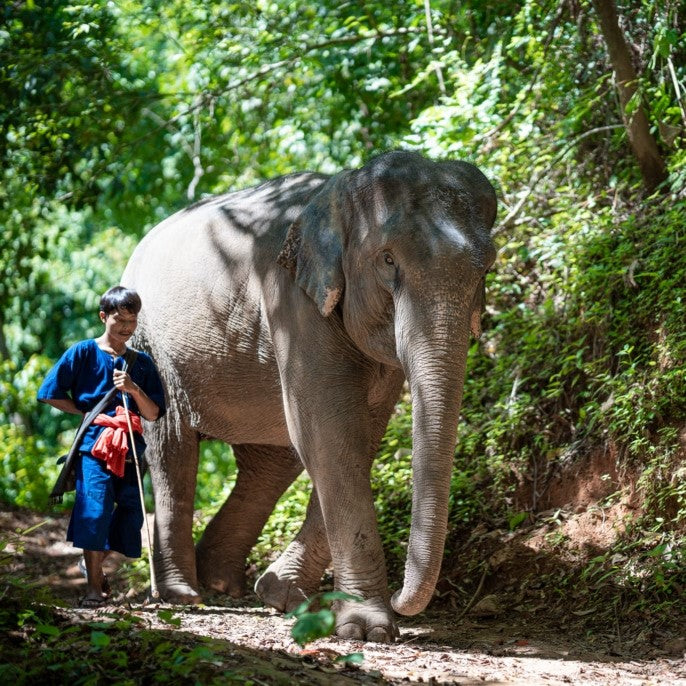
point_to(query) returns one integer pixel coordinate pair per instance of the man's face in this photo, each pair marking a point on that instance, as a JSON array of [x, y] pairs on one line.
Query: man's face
[[119, 325]]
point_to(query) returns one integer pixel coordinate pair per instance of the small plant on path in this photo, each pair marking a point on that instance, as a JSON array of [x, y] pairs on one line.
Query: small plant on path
[[312, 624]]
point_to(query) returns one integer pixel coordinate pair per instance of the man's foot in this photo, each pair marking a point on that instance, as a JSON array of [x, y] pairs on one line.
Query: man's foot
[[106, 588], [89, 602]]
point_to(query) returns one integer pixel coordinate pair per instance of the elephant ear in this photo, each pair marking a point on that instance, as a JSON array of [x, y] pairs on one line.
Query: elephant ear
[[313, 249]]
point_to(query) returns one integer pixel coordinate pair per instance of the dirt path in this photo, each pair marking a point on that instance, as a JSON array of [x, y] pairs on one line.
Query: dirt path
[[436, 647]]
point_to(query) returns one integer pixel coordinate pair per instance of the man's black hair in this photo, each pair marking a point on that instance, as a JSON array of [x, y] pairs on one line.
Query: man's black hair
[[120, 298]]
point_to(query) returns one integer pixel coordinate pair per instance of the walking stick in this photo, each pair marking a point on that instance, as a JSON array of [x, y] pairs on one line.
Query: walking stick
[[153, 580]]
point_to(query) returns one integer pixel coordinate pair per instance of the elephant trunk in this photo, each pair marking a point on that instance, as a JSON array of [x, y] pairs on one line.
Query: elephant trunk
[[435, 371]]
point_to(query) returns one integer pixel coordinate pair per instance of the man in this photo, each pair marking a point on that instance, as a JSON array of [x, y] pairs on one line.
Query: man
[[107, 512]]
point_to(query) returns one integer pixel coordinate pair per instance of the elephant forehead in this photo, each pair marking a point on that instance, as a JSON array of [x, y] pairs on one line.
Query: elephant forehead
[[459, 238], [429, 234], [446, 230], [370, 209], [457, 228]]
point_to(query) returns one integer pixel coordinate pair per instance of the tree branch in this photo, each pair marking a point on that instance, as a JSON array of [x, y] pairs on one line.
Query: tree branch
[[534, 79], [536, 178], [268, 68], [430, 34]]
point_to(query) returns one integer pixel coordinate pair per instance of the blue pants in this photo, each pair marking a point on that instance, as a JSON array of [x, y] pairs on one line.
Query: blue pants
[[107, 513]]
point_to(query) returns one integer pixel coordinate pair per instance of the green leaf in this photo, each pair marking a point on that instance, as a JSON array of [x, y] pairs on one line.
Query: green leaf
[[634, 103], [328, 597], [299, 610], [324, 599], [351, 659], [99, 639], [48, 629], [313, 625], [516, 519], [168, 617]]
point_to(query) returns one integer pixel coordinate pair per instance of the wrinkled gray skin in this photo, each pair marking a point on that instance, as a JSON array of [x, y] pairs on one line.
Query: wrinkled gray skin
[[284, 320]]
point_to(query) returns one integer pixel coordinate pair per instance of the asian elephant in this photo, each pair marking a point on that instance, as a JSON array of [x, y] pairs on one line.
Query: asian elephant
[[284, 320]]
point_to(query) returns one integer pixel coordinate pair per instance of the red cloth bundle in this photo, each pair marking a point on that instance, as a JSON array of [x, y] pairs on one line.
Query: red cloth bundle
[[112, 445]]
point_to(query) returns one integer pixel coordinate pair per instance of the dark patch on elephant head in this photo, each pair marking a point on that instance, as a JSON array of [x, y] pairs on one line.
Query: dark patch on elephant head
[[313, 249]]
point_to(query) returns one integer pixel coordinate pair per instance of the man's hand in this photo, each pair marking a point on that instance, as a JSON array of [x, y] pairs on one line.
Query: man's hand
[[125, 384], [123, 381]]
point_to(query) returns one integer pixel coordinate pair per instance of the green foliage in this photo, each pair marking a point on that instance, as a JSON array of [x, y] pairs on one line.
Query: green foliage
[[40, 644], [135, 573], [27, 465], [593, 352], [392, 485], [27, 468], [54, 651], [216, 476], [316, 619], [643, 572], [70, 102]]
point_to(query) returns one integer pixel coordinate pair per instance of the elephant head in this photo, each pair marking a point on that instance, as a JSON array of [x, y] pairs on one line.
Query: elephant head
[[399, 249]]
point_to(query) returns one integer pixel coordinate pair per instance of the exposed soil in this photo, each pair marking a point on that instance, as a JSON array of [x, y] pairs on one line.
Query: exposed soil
[[503, 621], [507, 637]]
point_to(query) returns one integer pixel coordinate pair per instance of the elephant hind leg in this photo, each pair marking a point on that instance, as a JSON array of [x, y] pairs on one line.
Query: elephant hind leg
[[297, 573], [172, 456], [264, 473]]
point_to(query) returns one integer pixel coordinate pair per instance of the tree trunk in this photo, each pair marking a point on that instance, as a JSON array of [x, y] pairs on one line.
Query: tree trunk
[[4, 352], [642, 143]]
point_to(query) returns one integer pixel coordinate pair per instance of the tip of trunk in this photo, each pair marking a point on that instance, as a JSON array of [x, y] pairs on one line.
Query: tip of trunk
[[408, 603]]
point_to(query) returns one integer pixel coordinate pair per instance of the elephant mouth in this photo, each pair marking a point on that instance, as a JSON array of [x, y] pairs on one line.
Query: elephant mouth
[[377, 341]]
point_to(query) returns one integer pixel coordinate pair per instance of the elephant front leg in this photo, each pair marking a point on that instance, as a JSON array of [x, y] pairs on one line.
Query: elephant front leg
[[264, 473], [359, 564], [337, 457], [296, 574], [329, 390]]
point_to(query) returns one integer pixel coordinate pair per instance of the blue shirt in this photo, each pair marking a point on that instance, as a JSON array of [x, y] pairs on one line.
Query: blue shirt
[[85, 374]]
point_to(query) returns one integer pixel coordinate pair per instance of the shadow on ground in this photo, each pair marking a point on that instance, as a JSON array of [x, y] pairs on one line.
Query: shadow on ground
[[512, 634]]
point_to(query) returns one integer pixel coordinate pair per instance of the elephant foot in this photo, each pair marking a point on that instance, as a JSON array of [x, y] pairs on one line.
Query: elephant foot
[[233, 584], [178, 594], [216, 573], [282, 593], [291, 579], [369, 620]]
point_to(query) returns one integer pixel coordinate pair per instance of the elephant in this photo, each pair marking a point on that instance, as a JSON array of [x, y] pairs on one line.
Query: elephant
[[284, 320]]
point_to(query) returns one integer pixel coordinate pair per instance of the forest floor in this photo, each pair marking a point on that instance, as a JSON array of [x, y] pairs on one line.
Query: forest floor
[[503, 640]]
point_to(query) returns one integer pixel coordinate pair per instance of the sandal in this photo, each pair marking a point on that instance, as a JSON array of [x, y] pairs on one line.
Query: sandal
[[106, 588], [92, 603]]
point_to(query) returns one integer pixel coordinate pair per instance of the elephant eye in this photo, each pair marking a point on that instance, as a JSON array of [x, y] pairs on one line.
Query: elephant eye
[[388, 258]]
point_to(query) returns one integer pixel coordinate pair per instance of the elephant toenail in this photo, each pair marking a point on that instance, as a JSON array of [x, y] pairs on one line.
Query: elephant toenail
[[352, 632]]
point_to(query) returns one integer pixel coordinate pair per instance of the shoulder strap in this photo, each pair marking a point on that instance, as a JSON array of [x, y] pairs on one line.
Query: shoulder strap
[[130, 357]]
